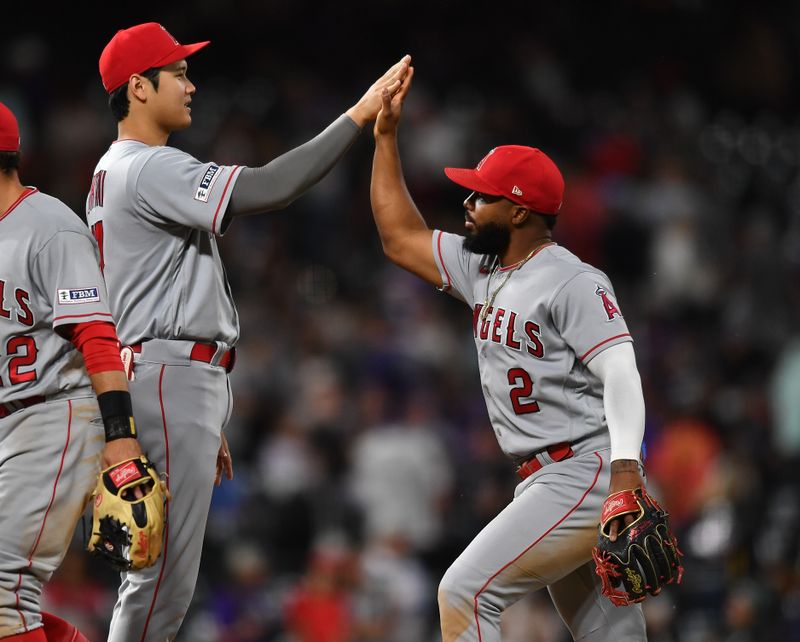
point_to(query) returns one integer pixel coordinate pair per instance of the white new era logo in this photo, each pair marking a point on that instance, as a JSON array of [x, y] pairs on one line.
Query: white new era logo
[[516, 191]]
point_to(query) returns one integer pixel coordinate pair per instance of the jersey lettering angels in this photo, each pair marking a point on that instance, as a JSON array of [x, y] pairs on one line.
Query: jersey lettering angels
[[530, 322]]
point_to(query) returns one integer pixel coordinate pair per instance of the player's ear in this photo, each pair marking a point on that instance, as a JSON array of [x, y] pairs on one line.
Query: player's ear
[[519, 215], [138, 87]]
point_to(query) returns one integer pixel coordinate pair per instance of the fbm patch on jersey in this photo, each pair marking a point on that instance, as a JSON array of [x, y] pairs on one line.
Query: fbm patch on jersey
[[207, 184], [78, 295]]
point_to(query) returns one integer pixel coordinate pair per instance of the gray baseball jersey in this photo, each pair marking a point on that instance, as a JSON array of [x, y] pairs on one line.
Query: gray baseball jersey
[[159, 209], [50, 451], [155, 212], [48, 278], [536, 325]]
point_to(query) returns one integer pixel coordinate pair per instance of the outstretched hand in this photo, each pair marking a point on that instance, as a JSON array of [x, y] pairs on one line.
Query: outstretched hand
[[391, 106], [367, 108]]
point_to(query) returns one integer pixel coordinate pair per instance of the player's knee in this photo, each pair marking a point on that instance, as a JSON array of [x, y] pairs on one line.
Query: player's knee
[[464, 595], [453, 587], [456, 604]]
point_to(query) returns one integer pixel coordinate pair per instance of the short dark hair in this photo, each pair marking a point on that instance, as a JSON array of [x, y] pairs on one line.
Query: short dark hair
[[118, 99], [9, 162], [549, 219]]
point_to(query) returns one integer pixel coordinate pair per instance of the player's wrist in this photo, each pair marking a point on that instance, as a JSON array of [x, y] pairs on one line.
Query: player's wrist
[[120, 451], [624, 465], [386, 132], [357, 115], [626, 479], [116, 411]]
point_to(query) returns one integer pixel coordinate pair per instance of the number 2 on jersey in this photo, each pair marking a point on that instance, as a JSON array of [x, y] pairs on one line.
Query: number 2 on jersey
[[24, 351], [523, 387]]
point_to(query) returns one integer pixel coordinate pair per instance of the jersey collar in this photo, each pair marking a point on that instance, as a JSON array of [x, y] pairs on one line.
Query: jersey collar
[[514, 266], [28, 191]]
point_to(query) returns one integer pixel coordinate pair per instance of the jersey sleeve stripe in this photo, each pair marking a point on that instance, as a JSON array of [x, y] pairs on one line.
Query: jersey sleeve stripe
[[235, 171], [82, 316], [446, 285], [602, 343]]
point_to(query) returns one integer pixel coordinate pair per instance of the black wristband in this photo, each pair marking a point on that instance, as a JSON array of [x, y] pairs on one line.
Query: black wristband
[[117, 413]]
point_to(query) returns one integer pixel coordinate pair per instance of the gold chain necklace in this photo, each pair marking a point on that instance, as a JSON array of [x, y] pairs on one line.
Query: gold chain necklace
[[488, 302]]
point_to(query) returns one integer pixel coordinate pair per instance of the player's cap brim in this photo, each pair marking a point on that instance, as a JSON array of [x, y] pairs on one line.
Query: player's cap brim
[[180, 52], [469, 178]]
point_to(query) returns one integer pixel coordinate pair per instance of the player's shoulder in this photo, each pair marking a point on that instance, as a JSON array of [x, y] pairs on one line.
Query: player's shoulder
[[559, 258], [167, 151], [46, 215], [40, 218], [124, 150], [164, 155], [160, 164], [561, 266], [135, 155]]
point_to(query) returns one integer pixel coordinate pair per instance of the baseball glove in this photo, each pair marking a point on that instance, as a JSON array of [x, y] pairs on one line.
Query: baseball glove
[[645, 556], [126, 531]]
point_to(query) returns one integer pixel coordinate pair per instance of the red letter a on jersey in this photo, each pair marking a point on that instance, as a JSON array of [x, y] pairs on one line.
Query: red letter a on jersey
[[608, 305]]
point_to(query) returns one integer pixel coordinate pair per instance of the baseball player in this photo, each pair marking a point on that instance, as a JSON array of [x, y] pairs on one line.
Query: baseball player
[[57, 341], [156, 212], [558, 374]]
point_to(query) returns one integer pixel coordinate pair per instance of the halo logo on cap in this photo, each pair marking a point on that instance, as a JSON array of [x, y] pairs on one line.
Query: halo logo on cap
[[484, 159], [139, 48], [523, 175], [174, 39]]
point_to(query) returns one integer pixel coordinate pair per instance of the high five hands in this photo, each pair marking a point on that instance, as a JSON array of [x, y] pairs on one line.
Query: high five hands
[[392, 105], [392, 82]]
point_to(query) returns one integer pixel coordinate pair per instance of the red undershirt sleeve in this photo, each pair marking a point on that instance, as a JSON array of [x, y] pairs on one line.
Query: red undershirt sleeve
[[98, 343]]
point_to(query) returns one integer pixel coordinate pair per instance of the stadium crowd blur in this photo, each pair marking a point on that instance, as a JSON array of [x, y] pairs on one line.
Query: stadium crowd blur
[[364, 461]]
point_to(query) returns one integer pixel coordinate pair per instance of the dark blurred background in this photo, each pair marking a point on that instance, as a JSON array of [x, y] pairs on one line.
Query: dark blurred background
[[364, 459]]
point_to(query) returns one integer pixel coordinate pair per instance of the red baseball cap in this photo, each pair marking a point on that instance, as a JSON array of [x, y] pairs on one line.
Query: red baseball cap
[[9, 130], [135, 50], [523, 175]]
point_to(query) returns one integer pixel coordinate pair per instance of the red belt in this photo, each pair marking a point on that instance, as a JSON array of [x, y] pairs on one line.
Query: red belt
[[558, 452], [205, 352], [13, 406]]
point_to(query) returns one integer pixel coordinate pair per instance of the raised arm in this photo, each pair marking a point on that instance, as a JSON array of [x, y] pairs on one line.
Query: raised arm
[[275, 185], [405, 237]]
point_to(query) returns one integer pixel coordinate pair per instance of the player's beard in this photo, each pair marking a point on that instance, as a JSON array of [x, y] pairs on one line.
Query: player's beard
[[489, 238]]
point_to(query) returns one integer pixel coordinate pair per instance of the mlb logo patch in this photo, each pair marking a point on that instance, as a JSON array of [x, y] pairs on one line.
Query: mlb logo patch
[[78, 295], [207, 184]]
